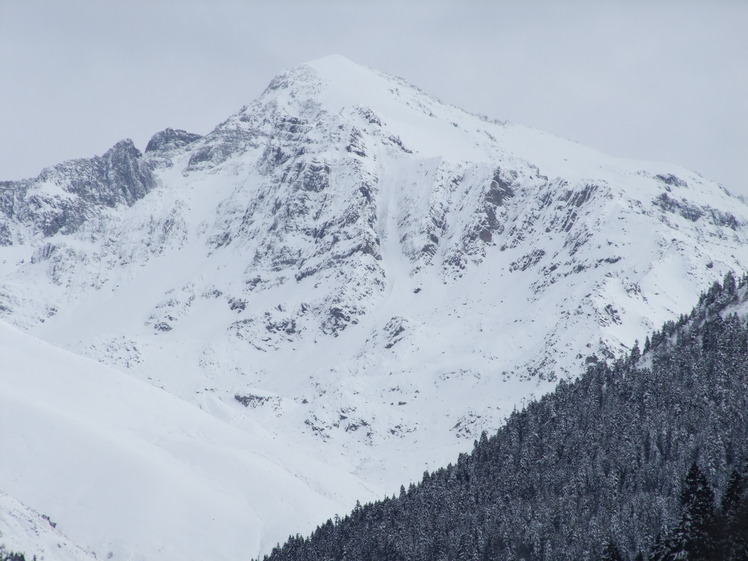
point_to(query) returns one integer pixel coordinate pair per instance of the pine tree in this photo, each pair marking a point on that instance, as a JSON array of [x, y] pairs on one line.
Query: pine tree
[[611, 552], [736, 487], [659, 550], [693, 537], [731, 534]]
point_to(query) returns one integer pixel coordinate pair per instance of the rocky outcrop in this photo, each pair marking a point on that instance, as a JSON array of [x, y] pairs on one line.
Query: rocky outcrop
[[65, 196]]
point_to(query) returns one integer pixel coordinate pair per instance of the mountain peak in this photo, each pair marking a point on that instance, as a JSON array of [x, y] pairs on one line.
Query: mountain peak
[[335, 82], [334, 63], [369, 99], [339, 71]]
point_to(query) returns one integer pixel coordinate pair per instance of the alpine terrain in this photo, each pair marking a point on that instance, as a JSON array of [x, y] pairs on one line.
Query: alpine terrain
[[341, 285]]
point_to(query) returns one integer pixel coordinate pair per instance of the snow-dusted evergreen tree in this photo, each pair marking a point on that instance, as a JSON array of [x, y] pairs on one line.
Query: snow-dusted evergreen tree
[[693, 538], [611, 552], [731, 527]]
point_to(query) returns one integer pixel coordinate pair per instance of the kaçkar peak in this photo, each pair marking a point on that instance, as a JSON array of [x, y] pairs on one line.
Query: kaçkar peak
[[370, 275]]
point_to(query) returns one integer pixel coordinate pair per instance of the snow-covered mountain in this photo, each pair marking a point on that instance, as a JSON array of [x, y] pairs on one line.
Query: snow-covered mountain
[[368, 274]]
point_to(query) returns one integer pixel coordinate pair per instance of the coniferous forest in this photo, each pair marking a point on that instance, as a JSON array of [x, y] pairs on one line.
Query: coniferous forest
[[641, 459]]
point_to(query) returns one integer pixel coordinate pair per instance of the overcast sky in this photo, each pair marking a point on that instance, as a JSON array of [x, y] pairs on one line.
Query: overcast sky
[[661, 81]]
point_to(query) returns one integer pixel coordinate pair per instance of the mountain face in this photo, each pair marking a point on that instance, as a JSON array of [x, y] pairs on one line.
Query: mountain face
[[371, 275]]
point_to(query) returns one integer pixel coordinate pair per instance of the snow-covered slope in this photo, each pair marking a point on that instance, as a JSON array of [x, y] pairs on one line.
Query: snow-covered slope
[[24, 531], [357, 267], [127, 469]]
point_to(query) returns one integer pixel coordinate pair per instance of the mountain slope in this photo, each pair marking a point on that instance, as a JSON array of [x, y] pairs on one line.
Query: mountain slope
[[25, 532], [127, 469], [600, 460], [359, 268]]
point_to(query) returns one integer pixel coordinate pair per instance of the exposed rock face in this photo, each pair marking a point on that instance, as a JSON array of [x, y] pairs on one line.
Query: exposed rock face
[[391, 275], [65, 196], [164, 145], [170, 139]]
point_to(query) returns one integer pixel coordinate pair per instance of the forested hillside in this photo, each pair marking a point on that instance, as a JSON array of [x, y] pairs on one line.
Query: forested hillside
[[606, 466]]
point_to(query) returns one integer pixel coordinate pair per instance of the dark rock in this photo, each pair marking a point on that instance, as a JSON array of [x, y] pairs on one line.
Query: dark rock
[[119, 177], [500, 189], [672, 180], [684, 208], [527, 261], [170, 139]]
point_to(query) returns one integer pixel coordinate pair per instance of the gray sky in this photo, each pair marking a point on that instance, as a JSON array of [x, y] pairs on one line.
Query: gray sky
[[650, 80]]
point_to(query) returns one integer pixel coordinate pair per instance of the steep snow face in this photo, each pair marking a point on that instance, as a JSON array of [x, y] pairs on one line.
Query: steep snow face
[[132, 472], [363, 270]]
